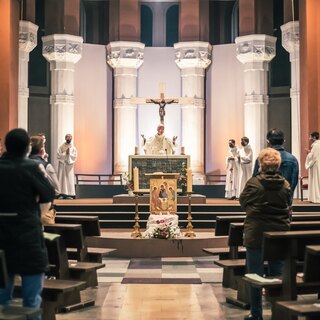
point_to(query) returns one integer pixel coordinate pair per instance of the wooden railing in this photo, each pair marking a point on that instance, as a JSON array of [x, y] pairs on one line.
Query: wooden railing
[[98, 179]]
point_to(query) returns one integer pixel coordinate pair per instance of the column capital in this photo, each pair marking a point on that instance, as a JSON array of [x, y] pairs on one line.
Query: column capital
[[291, 36], [192, 54], [256, 48], [127, 54], [27, 35], [62, 48]]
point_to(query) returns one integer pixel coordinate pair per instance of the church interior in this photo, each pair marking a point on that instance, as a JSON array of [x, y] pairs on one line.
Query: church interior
[[110, 72]]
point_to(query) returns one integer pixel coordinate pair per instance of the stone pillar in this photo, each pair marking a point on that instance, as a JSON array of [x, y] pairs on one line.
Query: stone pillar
[[27, 42], [290, 41], [63, 51], [9, 65], [193, 58], [309, 52], [255, 52], [125, 57]]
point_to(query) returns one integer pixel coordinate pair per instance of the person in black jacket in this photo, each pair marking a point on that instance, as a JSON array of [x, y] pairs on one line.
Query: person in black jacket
[[22, 188], [266, 199]]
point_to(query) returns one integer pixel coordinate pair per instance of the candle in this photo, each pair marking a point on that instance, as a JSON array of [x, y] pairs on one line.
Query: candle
[[182, 150], [135, 179], [136, 150], [189, 180]]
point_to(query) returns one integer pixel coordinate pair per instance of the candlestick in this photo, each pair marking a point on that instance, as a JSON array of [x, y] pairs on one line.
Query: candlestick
[[189, 180], [182, 151], [190, 233], [136, 150], [136, 228], [135, 179]]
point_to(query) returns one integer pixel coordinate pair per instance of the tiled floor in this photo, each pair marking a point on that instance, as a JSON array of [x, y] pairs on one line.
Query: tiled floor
[[152, 289], [160, 271]]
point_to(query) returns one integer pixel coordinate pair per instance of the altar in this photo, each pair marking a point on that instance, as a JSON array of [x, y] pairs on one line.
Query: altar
[[148, 164]]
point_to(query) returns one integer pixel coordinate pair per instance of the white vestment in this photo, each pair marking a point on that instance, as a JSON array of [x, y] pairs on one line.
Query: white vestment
[[232, 178], [245, 173], [65, 169], [159, 144], [313, 167]]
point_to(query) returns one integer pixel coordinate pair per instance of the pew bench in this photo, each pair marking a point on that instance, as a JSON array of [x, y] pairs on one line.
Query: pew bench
[[90, 224], [309, 308], [301, 308], [290, 247], [223, 222], [75, 243], [61, 268], [59, 296]]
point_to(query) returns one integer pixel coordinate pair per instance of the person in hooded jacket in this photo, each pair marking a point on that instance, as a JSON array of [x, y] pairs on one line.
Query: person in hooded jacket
[[23, 187], [266, 200]]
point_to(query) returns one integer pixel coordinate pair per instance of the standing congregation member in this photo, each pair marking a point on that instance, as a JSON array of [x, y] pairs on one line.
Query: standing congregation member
[[37, 153], [245, 158], [44, 153], [313, 166], [67, 156], [22, 188], [265, 199], [232, 178], [289, 166]]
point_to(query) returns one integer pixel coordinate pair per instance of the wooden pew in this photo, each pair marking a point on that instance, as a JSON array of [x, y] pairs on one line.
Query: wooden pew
[[290, 247], [59, 295], [223, 222], [307, 308], [75, 243], [233, 268], [90, 224], [13, 312], [90, 227], [62, 269]]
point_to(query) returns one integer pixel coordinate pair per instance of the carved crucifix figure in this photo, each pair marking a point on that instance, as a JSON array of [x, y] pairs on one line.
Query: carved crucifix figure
[[162, 102]]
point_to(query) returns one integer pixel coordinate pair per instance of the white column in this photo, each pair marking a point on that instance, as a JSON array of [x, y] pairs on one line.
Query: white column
[[193, 58], [27, 42], [290, 41], [125, 57], [63, 51], [255, 52]]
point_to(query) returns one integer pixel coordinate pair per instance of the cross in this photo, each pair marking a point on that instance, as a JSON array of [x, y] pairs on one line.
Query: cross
[[162, 102]]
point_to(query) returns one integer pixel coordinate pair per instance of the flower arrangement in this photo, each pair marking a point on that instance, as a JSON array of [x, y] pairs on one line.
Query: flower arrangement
[[183, 178], [127, 182], [165, 231]]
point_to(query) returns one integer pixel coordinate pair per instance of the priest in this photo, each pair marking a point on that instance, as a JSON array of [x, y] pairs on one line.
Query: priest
[[159, 143], [67, 156], [313, 167]]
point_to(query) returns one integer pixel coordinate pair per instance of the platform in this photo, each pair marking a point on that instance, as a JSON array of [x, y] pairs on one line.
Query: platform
[[145, 199], [157, 248]]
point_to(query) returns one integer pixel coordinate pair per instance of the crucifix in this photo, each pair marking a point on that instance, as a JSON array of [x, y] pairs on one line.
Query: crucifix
[[162, 102]]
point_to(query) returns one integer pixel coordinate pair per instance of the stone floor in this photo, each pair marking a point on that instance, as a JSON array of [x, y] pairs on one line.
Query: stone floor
[[167, 288]]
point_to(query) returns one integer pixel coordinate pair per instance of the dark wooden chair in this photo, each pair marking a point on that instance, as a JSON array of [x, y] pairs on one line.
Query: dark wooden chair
[[303, 185]]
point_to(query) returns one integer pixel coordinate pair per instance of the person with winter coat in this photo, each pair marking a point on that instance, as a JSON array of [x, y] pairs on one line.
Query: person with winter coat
[[266, 200]]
